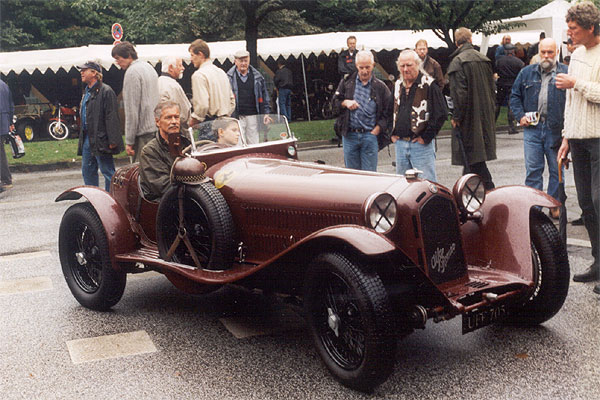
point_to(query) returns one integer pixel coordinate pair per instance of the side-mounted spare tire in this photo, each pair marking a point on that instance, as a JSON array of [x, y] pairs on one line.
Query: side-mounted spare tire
[[207, 223]]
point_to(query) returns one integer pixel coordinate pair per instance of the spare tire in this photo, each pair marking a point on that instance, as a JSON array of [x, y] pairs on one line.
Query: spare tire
[[207, 223]]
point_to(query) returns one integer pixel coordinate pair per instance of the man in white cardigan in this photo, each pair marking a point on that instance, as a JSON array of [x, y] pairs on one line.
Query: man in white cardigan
[[581, 134], [140, 97]]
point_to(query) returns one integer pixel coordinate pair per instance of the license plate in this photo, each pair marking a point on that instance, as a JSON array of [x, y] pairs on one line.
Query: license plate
[[483, 316]]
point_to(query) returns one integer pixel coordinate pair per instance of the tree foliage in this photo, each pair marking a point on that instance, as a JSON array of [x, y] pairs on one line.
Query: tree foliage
[[444, 17]]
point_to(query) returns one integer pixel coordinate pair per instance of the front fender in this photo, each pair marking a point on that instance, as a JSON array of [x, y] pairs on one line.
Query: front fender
[[115, 220], [501, 239]]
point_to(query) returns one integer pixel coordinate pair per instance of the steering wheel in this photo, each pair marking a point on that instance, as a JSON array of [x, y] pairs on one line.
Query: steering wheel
[[200, 144]]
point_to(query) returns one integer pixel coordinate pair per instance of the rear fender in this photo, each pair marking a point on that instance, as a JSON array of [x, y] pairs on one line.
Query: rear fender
[[501, 239], [115, 220]]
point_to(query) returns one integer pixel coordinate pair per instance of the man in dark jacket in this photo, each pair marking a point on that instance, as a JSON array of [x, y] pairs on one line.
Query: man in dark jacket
[[472, 93], [364, 105], [508, 68], [100, 135], [347, 58], [6, 116], [156, 160], [283, 81]]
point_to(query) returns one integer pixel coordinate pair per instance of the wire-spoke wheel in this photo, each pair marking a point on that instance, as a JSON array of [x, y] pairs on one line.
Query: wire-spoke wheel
[[86, 261], [58, 130], [349, 315]]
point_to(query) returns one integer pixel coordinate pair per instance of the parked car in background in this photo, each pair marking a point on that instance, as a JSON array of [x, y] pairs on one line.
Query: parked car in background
[[371, 256]]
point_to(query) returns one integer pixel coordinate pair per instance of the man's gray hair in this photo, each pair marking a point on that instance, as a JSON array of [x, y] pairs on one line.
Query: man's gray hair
[[365, 54], [415, 57], [168, 61], [162, 106]]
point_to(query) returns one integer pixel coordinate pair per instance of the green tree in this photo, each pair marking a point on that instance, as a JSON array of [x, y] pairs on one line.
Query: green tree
[[444, 17]]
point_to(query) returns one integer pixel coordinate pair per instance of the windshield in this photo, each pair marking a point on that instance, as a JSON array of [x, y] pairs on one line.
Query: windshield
[[245, 131]]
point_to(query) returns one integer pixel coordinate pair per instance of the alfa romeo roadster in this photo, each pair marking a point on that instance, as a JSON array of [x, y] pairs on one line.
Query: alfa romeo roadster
[[371, 256]]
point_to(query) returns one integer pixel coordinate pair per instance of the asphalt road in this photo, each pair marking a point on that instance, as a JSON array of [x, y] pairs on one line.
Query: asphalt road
[[159, 343]]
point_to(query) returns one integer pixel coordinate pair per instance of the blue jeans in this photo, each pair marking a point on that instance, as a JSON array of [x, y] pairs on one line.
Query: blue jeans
[[360, 151], [416, 155], [285, 103], [90, 164], [537, 143]]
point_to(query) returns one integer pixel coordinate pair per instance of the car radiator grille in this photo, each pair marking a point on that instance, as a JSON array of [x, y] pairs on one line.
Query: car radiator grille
[[441, 237]]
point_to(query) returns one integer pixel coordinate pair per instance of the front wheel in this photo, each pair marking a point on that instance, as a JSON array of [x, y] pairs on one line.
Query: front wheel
[[550, 274], [85, 259], [58, 130], [350, 320]]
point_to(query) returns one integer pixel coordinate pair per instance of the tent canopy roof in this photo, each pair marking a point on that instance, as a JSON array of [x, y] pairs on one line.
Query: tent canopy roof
[[323, 43]]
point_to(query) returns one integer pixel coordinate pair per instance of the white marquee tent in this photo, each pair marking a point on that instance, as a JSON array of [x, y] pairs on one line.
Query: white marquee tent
[[324, 43], [549, 19]]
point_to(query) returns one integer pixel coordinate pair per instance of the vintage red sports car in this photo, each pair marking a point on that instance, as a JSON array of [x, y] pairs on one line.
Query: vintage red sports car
[[371, 256]]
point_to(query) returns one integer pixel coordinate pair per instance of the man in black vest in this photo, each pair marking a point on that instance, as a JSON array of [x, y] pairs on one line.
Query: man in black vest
[[251, 96]]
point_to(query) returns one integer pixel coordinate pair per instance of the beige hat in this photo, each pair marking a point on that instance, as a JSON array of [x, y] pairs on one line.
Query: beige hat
[[241, 54]]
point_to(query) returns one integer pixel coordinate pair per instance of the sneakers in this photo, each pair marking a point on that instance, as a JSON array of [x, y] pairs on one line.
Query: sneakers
[[590, 275]]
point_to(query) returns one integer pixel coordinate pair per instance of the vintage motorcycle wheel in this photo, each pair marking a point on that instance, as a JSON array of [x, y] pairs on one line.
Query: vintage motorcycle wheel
[[350, 320], [85, 259], [58, 130], [550, 274], [207, 223]]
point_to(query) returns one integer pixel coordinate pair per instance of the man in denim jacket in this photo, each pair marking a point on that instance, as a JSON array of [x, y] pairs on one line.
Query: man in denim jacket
[[535, 90]]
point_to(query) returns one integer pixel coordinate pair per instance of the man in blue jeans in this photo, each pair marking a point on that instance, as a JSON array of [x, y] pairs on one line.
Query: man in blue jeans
[[100, 135], [364, 106], [535, 90], [284, 83]]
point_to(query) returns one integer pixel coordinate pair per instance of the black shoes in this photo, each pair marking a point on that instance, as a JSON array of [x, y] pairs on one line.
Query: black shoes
[[597, 289], [577, 222], [590, 275]]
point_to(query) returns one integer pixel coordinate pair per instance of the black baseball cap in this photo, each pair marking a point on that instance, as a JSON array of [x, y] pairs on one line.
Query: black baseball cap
[[91, 65]]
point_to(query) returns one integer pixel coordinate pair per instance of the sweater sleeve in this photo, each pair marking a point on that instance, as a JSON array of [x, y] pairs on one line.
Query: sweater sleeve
[[590, 90], [132, 90]]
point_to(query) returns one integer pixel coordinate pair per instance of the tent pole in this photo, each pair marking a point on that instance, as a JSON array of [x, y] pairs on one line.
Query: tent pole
[[305, 88]]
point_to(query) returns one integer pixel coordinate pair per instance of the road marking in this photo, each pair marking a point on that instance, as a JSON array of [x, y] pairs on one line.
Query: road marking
[[26, 285], [110, 346], [25, 256], [578, 242]]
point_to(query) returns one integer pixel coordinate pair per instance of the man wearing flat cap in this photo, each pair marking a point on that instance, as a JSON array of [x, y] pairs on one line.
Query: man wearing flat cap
[[100, 134], [251, 96], [508, 68]]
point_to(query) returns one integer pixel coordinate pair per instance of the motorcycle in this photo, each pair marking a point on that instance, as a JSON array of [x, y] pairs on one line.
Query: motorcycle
[[64, 120]]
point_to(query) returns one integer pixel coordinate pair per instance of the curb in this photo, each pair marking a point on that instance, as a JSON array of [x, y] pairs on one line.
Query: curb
[[316, 144]]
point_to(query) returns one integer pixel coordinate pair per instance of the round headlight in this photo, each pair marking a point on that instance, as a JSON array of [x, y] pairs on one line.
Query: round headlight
[[381, 212], [469, 193]]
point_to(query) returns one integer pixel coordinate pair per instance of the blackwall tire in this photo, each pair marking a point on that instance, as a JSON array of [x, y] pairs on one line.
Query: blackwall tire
[[26, 129], [85, 259], [208, 222], [551, 274], [350, 321]]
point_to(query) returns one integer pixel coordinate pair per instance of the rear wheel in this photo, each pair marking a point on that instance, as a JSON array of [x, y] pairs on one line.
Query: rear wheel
[[85, 259], [58, 130], [550, 274], [349, 316]]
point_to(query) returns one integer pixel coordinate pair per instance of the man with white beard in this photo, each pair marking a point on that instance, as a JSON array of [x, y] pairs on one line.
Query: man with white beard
[[170, 90], [535, 90]]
